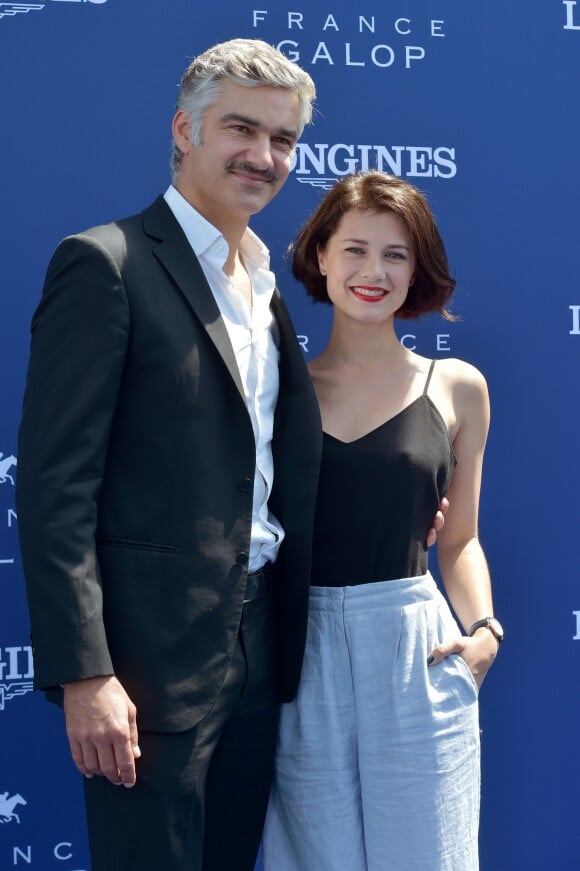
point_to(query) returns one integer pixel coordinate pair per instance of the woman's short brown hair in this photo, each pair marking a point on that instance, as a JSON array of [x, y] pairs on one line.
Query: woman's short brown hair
[[379, 192]]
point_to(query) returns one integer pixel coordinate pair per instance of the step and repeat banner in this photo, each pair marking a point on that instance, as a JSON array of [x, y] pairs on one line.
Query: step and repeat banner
[[475, 103]]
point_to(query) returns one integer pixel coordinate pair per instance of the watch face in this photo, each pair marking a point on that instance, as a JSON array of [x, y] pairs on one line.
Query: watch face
[[496, 628]]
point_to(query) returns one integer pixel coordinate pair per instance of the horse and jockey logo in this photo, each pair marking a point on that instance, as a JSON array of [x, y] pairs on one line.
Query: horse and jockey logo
[[7, 466], [7, 463], [7, 805]]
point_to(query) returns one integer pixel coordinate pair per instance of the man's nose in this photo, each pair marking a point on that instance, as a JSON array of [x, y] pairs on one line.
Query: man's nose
[[260, 153]]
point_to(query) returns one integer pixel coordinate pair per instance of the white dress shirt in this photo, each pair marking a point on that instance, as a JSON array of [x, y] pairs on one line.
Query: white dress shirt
[[252, 334]]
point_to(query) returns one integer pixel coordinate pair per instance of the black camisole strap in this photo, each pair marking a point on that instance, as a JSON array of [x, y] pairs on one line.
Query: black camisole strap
[[426, 388]]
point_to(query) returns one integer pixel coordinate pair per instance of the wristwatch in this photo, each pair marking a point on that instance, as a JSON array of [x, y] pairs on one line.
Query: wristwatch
[[490, 623]]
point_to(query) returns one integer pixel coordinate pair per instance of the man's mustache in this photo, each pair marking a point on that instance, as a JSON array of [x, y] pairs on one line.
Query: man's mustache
[[266, 174]]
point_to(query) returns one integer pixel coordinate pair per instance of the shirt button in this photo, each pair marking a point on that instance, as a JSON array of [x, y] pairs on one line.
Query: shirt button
[[246, 485], [242, 559]]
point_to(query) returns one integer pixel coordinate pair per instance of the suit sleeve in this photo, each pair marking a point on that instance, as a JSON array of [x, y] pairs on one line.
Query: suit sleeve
[[79, 340]]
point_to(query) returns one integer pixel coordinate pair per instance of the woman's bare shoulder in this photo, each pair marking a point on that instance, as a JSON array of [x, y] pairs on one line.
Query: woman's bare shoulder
[[459, 374], [466, 388]]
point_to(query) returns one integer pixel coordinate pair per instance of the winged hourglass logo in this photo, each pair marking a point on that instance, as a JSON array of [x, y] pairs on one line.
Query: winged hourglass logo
[[9, 10]]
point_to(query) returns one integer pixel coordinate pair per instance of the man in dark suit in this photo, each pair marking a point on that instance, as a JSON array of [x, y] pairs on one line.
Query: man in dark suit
[[165, 382], [167, 566]]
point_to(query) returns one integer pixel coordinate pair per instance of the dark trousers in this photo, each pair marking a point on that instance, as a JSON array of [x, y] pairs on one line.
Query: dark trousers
[[201, 796]]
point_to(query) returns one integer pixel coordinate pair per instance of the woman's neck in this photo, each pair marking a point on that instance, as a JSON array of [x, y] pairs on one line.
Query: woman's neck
[[355, 344]]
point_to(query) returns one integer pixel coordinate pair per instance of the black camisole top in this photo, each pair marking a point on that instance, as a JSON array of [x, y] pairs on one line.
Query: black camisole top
[[377, 497]]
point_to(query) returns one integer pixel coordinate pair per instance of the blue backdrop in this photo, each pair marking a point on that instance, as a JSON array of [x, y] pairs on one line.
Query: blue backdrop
[[475, 103]]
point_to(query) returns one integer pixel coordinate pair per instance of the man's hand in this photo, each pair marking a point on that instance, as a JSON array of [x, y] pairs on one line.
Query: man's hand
[[102, 729], [438, 522]]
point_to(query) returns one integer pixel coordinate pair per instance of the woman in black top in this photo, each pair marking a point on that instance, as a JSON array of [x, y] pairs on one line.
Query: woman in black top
[[378, 757]]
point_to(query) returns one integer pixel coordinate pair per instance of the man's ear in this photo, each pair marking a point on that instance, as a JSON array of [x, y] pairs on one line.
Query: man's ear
[[181, 129]]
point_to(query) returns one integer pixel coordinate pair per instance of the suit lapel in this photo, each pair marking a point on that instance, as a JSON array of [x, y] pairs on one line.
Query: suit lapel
[[175, 255], [292, 364], [297, 401]]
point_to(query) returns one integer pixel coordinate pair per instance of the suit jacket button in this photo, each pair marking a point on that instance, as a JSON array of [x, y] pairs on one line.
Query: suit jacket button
[[246, 485], [242, 559]]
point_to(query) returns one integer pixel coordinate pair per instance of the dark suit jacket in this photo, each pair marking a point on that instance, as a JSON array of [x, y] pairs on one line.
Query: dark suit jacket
[[136, 465]]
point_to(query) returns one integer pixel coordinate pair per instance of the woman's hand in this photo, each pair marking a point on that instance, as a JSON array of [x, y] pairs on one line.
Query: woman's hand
[[479, 652]]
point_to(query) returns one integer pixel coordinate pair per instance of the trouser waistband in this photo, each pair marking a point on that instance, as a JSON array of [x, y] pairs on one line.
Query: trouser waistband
[[259, 584]]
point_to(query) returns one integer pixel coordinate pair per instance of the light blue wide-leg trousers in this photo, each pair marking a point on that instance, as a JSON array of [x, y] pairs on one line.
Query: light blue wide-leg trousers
[[378, 759]]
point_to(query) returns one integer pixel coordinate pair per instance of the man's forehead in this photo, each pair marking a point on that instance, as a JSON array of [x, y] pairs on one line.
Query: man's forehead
[[258, 96]]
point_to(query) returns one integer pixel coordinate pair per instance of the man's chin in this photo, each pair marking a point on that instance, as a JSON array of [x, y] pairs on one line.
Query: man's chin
[[255, 201]]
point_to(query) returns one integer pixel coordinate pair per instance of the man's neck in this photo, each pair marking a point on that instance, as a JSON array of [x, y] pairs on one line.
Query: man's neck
[[231, 226]]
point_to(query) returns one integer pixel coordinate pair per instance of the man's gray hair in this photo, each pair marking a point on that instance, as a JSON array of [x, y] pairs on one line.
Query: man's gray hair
[[247, 62]]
